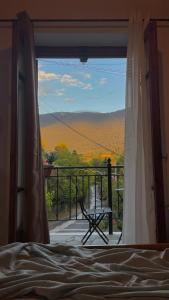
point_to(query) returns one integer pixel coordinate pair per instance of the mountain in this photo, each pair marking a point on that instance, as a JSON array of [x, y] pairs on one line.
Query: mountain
[[50, 119], [83, 131]]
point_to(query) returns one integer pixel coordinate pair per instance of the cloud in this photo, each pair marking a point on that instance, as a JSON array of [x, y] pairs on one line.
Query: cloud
[[70, 80], [46, 91], [86, 75], [103, 81], [69, 100], [42, 76], [65, 79], [87, 86], [59, 92]]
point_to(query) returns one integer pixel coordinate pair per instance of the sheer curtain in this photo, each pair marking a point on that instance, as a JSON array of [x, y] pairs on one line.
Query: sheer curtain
[[139, 210]]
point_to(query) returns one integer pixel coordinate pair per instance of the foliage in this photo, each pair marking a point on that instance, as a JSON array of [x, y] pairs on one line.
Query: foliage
[[73, 184], [98, 162], [64, 157], [70, 185], [120, 160], [49, 203], [50, 157], [49, 199]]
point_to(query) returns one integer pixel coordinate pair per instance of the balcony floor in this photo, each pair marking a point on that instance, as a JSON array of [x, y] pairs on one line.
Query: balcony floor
[[71, 232]]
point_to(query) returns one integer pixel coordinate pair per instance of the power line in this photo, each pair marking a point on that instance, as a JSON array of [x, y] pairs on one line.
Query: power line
[[58, 62], [105, 70], [81, 134]]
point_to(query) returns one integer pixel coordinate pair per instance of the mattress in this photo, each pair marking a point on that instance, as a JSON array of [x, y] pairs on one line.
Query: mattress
[[31, 271]]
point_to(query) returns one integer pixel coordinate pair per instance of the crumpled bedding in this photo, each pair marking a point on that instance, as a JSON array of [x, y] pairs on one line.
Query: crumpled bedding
[[61, 271]]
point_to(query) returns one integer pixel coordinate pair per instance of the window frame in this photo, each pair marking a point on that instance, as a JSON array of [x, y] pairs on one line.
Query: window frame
[[81, 52]]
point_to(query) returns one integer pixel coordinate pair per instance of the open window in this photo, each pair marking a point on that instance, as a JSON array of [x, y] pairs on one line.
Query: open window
[[96, 53], [71, 45]]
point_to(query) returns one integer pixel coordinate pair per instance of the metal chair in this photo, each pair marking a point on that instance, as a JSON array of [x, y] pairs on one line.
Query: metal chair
[[94, 217], [119, 240], [120, 217]]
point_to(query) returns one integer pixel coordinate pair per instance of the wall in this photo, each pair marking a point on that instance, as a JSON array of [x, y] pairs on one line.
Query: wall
[[5, 58], [5, 98], [84, 8], [163, 46]]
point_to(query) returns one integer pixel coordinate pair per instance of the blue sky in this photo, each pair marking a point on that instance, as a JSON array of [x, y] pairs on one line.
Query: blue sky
[[67, 85]]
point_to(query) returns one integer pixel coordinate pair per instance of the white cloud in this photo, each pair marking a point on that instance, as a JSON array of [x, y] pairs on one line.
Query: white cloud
[[69, 100], [103, 81], [42, 76], [65, 79], [46, 91], [59, 92], [70, 80], [86, 75], [87, 86]]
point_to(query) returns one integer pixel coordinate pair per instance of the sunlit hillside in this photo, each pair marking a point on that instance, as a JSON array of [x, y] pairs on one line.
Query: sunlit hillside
[[91, 134]]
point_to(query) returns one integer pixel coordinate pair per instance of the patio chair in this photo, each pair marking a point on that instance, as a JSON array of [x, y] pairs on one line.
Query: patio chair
[[94, 217], [119, 240], [120, 217]]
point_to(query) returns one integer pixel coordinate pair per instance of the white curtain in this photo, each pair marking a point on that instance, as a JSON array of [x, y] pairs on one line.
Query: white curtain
[[139, 210]]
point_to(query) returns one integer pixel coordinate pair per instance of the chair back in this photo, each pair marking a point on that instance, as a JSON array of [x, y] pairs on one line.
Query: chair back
[[81, 202]]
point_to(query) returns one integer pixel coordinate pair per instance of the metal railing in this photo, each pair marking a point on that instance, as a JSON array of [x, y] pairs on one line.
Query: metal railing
[[97, 186]]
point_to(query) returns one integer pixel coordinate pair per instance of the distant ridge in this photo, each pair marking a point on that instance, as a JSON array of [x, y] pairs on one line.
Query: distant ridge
[[105, 128], [49, 119]]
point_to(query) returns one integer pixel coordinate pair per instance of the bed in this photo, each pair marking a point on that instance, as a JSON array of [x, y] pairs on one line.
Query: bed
[[59, 271]]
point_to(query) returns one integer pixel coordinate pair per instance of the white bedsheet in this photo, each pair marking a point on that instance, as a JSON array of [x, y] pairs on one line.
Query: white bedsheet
[[66, 272]]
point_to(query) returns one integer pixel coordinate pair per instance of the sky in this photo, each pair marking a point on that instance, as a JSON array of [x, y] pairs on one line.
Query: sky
[[68, 85]]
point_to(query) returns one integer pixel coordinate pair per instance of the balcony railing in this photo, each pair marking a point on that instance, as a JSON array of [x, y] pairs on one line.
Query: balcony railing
[[97, 186]]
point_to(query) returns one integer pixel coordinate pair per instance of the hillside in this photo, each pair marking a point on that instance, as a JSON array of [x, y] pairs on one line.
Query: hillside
[[104, 128], [50, 119]]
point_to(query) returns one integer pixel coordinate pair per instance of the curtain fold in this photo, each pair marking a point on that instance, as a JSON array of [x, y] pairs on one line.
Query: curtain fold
[[35, 223], [139, 210], [31, 217], [5, 75]]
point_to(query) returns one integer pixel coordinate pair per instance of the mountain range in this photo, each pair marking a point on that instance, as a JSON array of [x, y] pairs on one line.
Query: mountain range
[[89, 133]]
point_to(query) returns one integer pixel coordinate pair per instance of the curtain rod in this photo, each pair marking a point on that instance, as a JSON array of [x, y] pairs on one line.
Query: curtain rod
[[83, 20]]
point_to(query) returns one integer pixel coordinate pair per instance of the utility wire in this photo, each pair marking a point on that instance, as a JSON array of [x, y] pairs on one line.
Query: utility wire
[[64, 62], [105, 70], [81, 134]]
